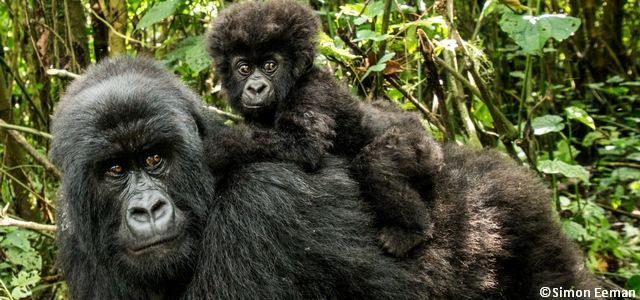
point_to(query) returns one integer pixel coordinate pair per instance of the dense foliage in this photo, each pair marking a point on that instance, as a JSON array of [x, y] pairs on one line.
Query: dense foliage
[[554, 84]]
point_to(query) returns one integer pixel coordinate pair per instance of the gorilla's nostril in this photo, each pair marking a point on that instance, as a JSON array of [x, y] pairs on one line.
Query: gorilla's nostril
[[139, 214], [163, 216], [158, 208]]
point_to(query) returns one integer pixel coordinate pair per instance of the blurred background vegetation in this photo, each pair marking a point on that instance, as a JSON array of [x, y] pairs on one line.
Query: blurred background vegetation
[[554, 84]]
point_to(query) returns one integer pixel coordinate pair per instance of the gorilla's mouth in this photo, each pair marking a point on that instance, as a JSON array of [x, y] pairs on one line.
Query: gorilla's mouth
[[153, 244], [254, 106], [257, 102]]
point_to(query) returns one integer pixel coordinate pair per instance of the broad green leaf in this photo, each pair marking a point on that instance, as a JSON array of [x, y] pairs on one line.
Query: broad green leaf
[[531, 33], [374, 9], [591, 138], [366, 34], [157, 13], [17, 238], [573, 229], [576, 113], [634, 156], [192, 51], [386, 57], [351, 9], [560, 167], [360, 20], [545, 124], [375, 68], [624, 174], [30, 260]]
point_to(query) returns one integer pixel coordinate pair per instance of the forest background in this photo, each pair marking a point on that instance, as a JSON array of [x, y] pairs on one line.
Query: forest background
[[554, 84]]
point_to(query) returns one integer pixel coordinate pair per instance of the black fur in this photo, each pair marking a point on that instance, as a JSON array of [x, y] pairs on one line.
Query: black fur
[[118, 110], [274, 231], [308, 114]]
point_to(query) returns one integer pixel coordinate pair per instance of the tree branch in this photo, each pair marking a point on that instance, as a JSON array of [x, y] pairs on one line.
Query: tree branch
[[32, 151], [8, 221]]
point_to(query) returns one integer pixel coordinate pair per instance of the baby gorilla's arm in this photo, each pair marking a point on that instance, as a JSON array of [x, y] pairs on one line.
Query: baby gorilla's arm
[[302, 138]]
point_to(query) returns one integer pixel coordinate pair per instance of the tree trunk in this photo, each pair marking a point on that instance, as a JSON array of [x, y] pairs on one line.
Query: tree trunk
[[118, 12], [76, 23], [100, 32], [13, 155]]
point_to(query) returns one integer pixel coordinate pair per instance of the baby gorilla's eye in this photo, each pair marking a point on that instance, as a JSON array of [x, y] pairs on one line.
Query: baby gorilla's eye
[[152, 161], [244, 69], [115, 171], [270, 66]]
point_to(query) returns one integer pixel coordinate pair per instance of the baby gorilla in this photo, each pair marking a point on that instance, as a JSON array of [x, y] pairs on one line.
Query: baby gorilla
[[264, 53]]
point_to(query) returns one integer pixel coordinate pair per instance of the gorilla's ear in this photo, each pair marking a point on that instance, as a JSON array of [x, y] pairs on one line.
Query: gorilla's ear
[[303, 64]]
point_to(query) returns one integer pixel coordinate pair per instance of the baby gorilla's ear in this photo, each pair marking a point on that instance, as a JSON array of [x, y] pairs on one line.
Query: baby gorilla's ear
[[303, 64]]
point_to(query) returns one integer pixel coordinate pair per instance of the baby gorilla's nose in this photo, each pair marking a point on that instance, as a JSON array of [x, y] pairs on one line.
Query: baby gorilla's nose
[[256, 87]]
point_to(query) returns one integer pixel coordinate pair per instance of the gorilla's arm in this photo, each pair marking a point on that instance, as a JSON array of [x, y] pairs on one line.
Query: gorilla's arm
[[302, 138]]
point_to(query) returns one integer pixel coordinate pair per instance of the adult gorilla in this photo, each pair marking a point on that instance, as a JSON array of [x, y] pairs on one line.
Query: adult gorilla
[[136, 196], [139, 218]]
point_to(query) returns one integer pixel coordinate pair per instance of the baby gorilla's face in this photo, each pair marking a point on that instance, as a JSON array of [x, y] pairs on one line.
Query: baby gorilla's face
[[257, 84]]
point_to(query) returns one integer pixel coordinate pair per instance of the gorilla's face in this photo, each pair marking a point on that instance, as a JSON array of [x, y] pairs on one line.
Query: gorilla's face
[[256, 84], [135, 184]]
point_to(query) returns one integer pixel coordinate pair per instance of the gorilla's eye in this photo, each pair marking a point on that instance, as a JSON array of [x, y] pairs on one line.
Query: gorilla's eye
[[270, 66], [115, 171], [244, 69], [152, 161]]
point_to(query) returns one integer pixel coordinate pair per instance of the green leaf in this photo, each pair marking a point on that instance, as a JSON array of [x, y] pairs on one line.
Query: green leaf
[[22, 284], [192, 51], [374, 68], [591, 138], [488, 7], [351, 9], [17, 238], [576, 113], [386, 57], [545, 124], [560, 167], [157, 13], [573, 229], [374, 9], [366, 34], [328, 47], [633, 284], [531, 33], [634, 156], [30, 260], [360, 20], [624, 174]]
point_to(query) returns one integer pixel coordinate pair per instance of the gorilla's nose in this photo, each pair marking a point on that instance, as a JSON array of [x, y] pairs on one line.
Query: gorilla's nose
[[256, 87], [149, 215]]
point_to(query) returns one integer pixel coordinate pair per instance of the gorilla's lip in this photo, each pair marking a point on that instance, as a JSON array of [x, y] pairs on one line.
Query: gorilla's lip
[[153, 243], [253, 106]]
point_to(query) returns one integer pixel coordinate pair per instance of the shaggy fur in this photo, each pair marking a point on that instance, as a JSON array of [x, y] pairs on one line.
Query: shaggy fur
[[274, 231], [312, 115], [118, 110], [271, 231]]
